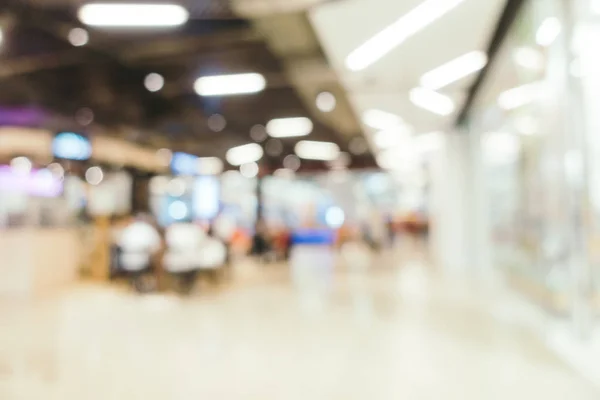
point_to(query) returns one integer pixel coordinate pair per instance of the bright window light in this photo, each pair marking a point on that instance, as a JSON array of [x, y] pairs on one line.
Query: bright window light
[[519, 96], [595, 6], [225, 85], [379, 119], [432, 101], [529, 58], [395, 34], [311, 150], [244, 154], [289, 127], [127, 15], [454, 70], [548, 31]]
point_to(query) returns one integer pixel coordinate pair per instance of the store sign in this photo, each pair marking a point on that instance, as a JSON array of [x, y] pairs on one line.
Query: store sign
[[71, 146], [184, 164], [39, 183]]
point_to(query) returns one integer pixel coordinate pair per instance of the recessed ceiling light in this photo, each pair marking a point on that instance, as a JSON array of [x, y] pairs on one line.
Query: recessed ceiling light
[[326, 102], [244, 154], [78, 37], [311, 150], [226, 85], [289, 127], [454, 70], [258, 133], [116, 15], [432, 101], [395, 34], [154, 82]]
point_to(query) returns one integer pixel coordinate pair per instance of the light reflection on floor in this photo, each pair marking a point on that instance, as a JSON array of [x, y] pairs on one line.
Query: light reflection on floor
[[372, 333]]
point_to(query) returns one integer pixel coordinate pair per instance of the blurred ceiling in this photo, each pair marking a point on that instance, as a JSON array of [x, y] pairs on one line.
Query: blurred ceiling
[[385, 85], [39, 67]]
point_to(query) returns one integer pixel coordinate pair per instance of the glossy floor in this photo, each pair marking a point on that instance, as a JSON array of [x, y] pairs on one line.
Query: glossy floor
[[378, 333]]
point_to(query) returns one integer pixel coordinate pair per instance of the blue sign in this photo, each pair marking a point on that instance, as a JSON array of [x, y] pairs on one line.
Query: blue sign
[[184, 164], [71, 146]]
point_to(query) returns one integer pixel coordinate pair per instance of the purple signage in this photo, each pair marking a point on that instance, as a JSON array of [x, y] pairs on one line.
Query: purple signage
[[40, 183], [21, 116]]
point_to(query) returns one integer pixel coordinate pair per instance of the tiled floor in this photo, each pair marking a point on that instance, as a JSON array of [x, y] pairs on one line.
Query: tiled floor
[[377, 334]]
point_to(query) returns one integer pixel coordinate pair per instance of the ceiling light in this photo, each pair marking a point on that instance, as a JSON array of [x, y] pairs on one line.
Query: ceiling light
[[114, 15], [529, 58], [548, 31], [519, 96], [224, 85], [289, 127], [395, 34], [78, 37], [244, 154], [154, 82], [432, 101], [381, 119], [311, 150], [326, 102], [249, 170], [454, 70]]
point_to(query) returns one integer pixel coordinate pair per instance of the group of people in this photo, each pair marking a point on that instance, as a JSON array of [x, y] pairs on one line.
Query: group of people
[[141, 250]]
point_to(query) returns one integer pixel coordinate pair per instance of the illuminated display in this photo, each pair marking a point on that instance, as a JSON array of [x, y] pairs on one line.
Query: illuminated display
[[184, 164], [71, 146]]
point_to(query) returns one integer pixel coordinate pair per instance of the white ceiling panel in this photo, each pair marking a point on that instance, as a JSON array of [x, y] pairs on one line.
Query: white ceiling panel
[[344, 25]]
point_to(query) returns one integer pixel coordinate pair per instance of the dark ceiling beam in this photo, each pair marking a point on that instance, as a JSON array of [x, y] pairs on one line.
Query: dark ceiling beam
[[508, 17]]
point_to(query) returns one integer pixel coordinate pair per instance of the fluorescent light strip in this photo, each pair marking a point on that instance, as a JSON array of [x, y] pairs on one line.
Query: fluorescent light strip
[[289, 127], [381, 119], [311, 150], [432, 101], [454, 70], [117, 15], [224, 85], [244, 154], [395, 34], [519, 96]]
